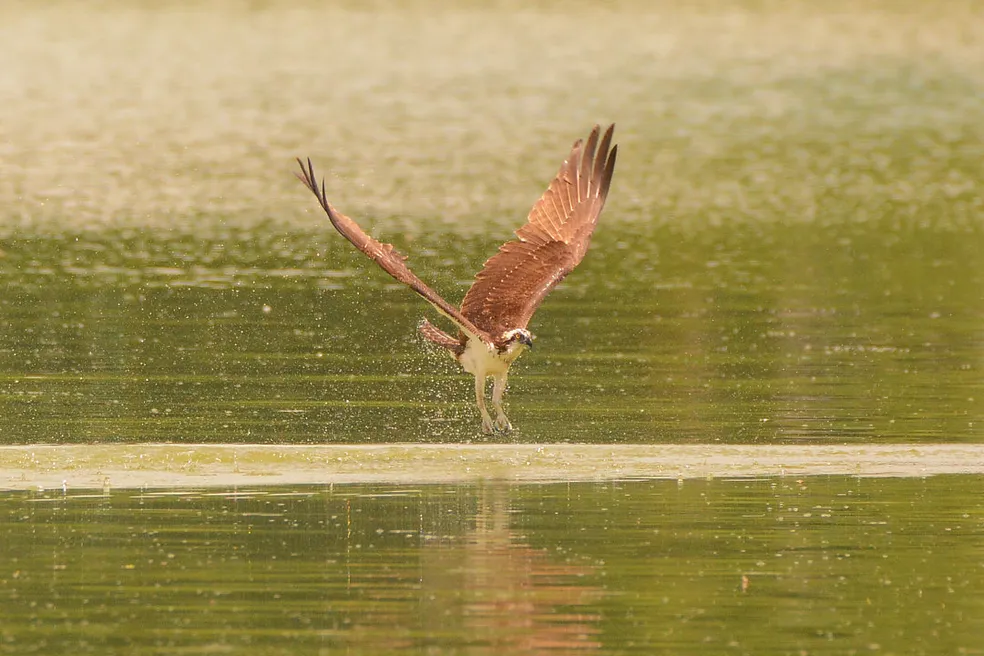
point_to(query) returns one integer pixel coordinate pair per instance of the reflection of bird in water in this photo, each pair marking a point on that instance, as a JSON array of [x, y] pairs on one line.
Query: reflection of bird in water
[[521, 600], [496, 309]]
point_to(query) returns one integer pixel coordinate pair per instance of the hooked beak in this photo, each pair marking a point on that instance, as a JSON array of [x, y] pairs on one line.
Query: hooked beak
[[528, 341]]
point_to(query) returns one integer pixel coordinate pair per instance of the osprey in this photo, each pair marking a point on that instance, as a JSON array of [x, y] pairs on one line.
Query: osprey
[[497, 308]]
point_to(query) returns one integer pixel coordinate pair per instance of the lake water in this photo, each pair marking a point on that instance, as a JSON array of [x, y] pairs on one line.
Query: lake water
[[790, 259], [738, 335], [831, 565]]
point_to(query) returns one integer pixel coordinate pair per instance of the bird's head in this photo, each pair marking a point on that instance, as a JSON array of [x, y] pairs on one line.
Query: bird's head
[[516, 339]]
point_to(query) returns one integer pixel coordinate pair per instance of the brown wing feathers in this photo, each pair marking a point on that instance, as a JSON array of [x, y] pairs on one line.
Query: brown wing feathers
[[514, 281], [511, 285], [387, 257]]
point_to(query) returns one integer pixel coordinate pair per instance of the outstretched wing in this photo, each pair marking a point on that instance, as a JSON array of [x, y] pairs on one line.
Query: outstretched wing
[[514, 281], [387, 257]]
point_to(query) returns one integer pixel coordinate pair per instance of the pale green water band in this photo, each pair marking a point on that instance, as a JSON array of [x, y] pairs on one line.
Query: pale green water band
[[167, 465]]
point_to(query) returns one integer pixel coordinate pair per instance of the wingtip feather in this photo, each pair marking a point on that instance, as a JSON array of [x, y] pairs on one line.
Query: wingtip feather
[[601, 162], [586, 164], [609, 172]]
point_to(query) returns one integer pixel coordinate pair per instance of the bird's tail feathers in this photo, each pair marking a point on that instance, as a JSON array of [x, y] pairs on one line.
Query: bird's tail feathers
[[437, 336]]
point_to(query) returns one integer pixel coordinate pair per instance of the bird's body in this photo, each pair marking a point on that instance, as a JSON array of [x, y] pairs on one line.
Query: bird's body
[[479, 358], [483, 361], [493, 317]]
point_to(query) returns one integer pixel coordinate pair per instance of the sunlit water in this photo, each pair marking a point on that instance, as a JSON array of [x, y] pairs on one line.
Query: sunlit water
[[832, 565]]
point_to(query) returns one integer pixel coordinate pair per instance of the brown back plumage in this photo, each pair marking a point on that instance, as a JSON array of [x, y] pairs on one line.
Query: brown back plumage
[[514, 281]]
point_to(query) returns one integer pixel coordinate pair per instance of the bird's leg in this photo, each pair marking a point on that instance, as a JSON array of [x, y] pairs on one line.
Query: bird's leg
[[498, 390], [480, 402]]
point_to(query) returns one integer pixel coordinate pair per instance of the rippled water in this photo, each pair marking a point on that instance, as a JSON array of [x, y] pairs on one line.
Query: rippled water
[[819, 565], [738, 335]]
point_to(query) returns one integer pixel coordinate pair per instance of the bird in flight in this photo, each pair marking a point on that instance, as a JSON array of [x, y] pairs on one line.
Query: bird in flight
[[496, 309]]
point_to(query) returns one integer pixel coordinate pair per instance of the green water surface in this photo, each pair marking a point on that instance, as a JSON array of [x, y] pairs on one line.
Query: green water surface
[[831, 565], [790, 257], [744, 334]]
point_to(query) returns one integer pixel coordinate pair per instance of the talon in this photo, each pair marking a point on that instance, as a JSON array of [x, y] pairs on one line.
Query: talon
[[502, 423]]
